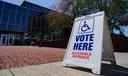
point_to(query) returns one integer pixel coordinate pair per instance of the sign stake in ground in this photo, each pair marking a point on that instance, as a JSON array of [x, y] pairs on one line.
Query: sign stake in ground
[[90, 43]]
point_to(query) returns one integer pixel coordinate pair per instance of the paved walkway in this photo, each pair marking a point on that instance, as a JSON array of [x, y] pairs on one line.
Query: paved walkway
[[57, 69], [19, 56]]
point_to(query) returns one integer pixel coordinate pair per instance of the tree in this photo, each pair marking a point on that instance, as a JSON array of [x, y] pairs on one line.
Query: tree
[[114, 9], [115, 15], [59, 23]]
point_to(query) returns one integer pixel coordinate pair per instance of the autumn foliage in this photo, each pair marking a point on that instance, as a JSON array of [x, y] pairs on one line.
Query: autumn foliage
[[58, 23]]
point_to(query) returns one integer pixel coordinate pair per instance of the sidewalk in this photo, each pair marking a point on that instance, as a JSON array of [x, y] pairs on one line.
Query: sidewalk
[[57, 69]]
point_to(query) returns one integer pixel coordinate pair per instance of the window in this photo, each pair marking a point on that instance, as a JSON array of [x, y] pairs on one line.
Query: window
[[1, 4], [11, 17], [29, 20], [38, 22], [31, 6], [18, 19], [11, 27], [29, 23], [47, 11], [21, 10], [34, 21], [9, 6], [17, 22], [16, 28], [0, 14], [5, 16], [32, 13], [3, 26], [22, 29], [23, 23], [23, 20]]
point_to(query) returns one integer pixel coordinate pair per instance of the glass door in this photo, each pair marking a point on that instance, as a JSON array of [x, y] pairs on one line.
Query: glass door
[[3, 39], [10, 39]]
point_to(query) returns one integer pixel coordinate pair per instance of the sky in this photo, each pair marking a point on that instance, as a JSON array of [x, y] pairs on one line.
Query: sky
[[44, 3], [125, 30]]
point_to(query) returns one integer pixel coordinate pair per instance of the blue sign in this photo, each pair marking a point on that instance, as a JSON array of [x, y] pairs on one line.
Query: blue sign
[[86, 26], [85, 37]]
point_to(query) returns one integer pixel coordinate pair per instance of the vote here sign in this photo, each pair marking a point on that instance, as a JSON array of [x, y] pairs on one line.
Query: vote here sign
[[83, 40], [85, 43]]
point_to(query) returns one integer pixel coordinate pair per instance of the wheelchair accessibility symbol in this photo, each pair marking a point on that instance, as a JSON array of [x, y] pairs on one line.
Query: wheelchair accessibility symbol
[[86, 26]]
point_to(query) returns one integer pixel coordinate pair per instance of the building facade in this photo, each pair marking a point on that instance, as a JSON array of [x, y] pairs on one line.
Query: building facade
[[21, 23]]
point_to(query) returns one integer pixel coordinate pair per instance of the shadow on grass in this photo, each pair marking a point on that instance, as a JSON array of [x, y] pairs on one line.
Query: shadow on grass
[[107, 70]]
